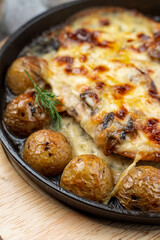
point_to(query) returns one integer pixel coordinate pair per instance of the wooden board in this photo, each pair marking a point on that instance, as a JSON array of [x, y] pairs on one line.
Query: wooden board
[[30, 214]]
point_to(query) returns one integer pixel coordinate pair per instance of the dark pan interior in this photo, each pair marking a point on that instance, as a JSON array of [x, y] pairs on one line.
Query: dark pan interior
[[11, 145]]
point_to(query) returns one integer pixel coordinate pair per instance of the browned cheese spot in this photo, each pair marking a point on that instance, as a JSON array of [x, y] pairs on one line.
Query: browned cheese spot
[[101, 69], [100, 85], [120, 90], [85, 36], [130, 40], [152, 130], [143, 36], [83, 58], [122, 113], [64, 60], [78, 70], [104, 22]]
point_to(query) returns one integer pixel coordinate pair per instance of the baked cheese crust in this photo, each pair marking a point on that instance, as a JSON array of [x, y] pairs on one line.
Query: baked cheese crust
[[107, 71]]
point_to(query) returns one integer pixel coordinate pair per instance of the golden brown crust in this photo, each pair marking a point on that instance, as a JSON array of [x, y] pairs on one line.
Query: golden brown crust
[[109, 62], [88, 176], [48, 152], [23, 116], [140, 189], [18, 81]]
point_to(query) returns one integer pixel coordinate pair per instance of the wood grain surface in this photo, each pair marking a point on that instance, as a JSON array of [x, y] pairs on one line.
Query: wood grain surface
[[27, 213], [30, 214]]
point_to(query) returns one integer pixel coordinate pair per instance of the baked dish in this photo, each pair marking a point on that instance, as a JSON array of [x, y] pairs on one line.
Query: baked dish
[[105, 73]]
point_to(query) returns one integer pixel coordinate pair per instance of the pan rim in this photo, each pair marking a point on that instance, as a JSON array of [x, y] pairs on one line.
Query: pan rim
[[18, 160]]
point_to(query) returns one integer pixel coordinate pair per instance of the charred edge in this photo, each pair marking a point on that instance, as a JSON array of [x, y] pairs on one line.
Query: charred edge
[[153, 92], [152, 130], [107, 119], [104, 22], [84, 35]]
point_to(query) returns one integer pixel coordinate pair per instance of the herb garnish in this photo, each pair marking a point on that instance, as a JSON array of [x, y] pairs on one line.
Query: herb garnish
[[49, 101]]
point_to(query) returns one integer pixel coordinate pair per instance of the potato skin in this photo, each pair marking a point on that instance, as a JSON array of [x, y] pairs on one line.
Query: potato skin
[[18, 81], [23, 116], [140, 189], [48, 152], [88, 176]]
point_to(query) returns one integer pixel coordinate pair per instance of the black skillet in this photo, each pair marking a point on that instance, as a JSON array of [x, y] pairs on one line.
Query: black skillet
[[11, 145]]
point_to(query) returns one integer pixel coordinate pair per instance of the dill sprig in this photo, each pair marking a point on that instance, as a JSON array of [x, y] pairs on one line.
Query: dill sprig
[[49, 101]]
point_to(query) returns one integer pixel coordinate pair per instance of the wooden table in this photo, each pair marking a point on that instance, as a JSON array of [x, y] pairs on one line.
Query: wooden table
[[28, 213]]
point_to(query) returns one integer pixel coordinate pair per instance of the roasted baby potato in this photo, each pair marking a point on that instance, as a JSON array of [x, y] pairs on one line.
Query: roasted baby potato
[[18, 81], [48, 152], [140, 189], [88, 176], [23, 116]]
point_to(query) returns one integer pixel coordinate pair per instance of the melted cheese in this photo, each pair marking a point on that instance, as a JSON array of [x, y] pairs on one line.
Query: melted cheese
[[82, 143], [107, 73], [108, 63]]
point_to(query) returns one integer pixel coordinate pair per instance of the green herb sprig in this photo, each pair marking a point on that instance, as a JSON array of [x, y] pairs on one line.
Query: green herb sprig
[[49, 101]]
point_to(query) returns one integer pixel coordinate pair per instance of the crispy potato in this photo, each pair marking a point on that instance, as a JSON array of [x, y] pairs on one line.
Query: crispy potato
[[140, 189], [88, 176], [23, 116], [18, 81], [48, 152]]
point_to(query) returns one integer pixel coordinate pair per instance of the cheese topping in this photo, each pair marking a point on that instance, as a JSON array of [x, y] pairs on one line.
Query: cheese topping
[[107, 73]]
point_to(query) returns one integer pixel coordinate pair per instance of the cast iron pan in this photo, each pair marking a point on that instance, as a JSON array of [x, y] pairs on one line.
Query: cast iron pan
[[11, 145]]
